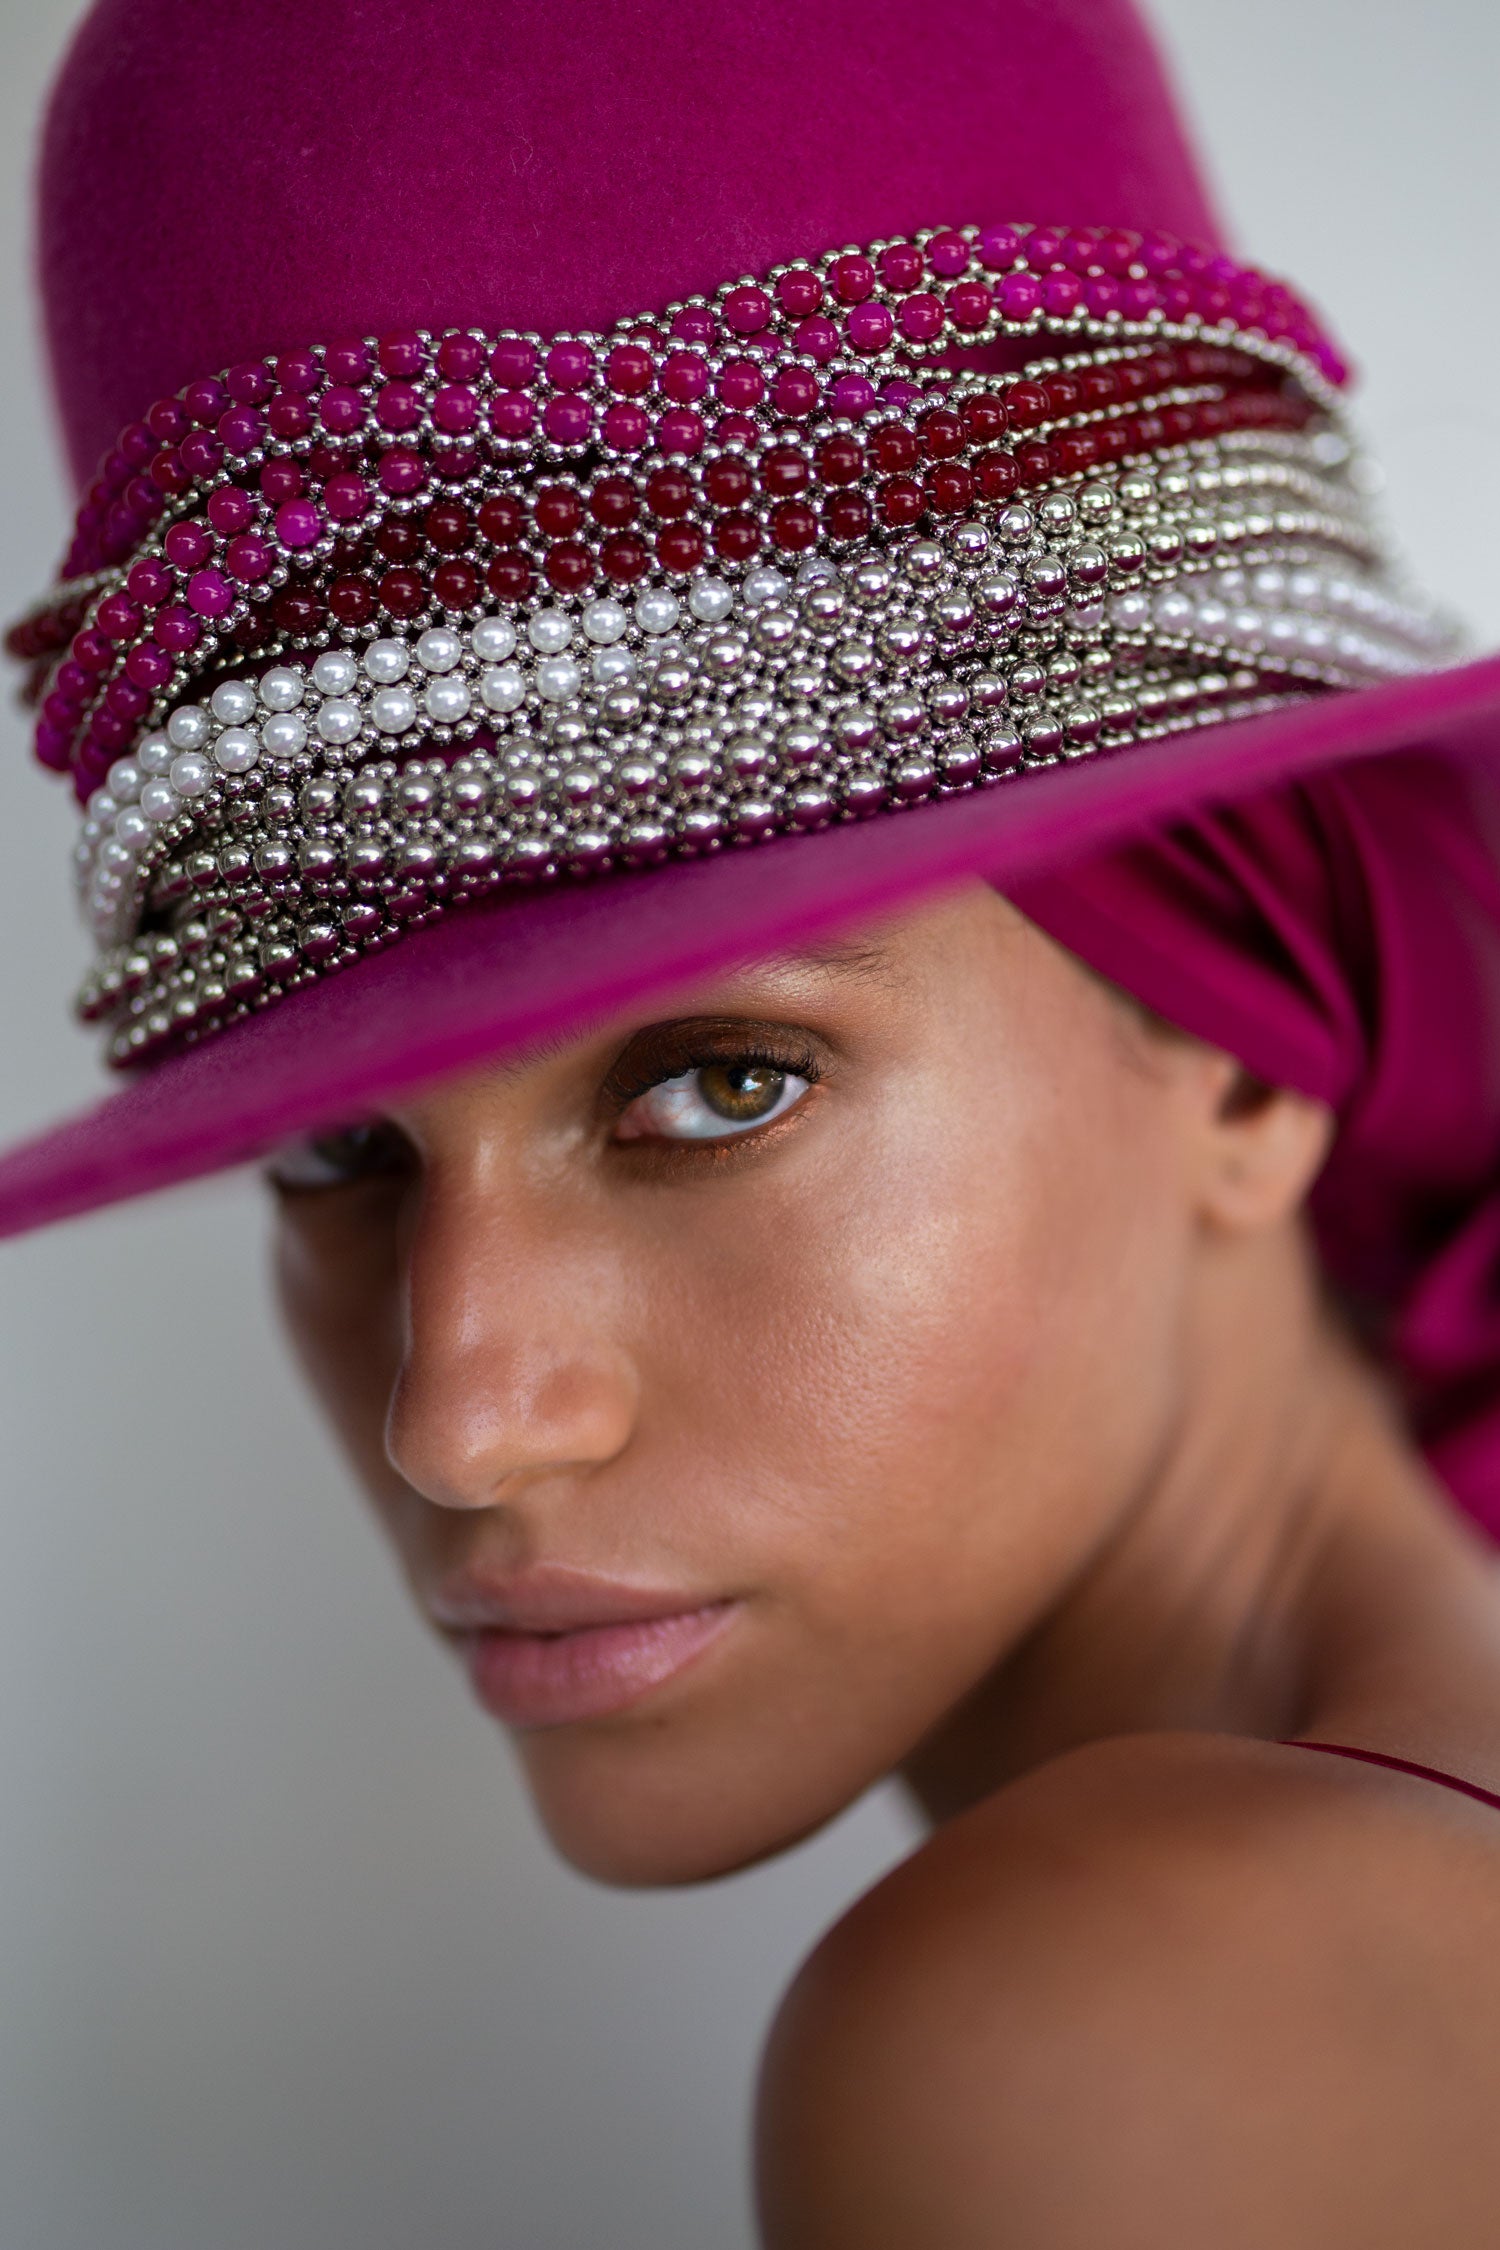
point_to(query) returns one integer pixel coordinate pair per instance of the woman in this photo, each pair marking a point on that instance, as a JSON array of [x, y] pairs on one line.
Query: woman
[[957, 1293]]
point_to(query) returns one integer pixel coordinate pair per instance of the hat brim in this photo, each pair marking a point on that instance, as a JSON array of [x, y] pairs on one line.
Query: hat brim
[[492, 979]]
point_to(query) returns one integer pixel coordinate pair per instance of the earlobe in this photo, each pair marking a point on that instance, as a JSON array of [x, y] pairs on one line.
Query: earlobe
[[1265, 1147]]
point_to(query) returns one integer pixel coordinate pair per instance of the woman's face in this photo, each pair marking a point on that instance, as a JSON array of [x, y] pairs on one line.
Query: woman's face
[[829, 1319]]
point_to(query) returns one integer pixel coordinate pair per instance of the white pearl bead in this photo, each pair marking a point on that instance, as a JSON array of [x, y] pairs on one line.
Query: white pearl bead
[[334, 672], [233, 701], [549, 631], [191, 774], [710, 600], [188, 727], [1131, 612], [160, 801], [132, 828], [339, 722], [154, 755], [763, 585], [124, 781], [604, 621], [612, 664], [657, 612], [1269, 584], [493, 638], [503, 687], [818, 569], [558, 679], [1173, 610], [386, 662], [115, 854], [103, 807], [281, 689], [237, 750], [448, 701], [393, 710], [439, 650], [1247, 626], [284, 734], [1213, 619]]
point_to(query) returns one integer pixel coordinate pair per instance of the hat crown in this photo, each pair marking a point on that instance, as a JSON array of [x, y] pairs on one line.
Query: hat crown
[[219, 183]]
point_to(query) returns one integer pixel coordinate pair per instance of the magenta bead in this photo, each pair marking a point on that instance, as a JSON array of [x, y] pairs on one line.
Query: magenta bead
[[126, 699], [681, 431], [289, 416], [999, 247], [92, 652], [948, 254], [870, 327], [1101, 294], [741, 384], [1117, 250], [921, 317], [209, 593], [398, 407], [512, 413], [149, 583], [281, 480], [1176, 297], [455, 409], [1079, 248], [1062, 294], [853, 395], [568, 419], [239, 429], [205, 401], [118, 617], [298, 523], [52, 745], [249, 558], [347, 362], [1160, 254], [1139, 299], [736, 429], [799, 292], [298, 371], [902, 266], [346, 498], [341, 410], [513, 363], [853, 278], [695, 324], [149, 666], [969, 304], [187, 545], [137, 444], [110, 731], [626, 427], [747, 311], [454, 463], [230, 510], [817, 339], [1020, 295], [202, 455], [402, 472], [249, 384], [684, 377], [402, 355], [899, 393], [460, 358], [569, 366], [796, 392], [1043, 248], [178, 630], [167, 422]]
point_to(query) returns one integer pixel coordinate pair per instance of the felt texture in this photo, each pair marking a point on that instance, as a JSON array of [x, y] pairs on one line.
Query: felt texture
[[219, 181]]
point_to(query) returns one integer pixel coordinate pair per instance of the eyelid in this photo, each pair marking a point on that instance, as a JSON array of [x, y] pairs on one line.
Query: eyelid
[[671, 1050]]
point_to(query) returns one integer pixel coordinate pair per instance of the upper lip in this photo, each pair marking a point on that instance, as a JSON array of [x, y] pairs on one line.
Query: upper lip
[[549, 1598]]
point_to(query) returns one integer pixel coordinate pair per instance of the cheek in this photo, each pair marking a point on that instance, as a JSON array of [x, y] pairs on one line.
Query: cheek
[[337, 1280]]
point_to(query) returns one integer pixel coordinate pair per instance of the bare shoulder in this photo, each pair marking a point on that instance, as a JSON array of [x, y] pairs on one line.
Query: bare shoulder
[[1167, 1989]]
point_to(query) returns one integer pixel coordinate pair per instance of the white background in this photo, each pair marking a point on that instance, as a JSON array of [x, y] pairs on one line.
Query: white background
[[283, 1964]]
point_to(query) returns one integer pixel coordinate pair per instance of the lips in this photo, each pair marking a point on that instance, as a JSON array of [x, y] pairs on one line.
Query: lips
[[552, 1646]]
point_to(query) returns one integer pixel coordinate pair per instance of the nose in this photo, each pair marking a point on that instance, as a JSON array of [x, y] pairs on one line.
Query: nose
[[511, 1369]]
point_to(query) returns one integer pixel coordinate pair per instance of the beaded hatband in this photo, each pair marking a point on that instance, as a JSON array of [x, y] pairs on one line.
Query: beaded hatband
[[799, 554]]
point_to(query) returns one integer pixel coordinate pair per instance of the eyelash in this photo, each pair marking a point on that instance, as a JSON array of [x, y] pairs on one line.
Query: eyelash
[[623, 1091]]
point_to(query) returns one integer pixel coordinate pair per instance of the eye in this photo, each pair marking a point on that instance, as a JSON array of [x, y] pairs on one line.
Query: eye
[[338, 1159], [712, 1102]]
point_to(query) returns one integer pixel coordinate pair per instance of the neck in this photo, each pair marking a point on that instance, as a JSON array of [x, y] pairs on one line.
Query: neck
[[1286, 1567]]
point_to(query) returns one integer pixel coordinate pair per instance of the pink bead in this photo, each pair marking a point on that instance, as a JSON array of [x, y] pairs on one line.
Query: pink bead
[[902, 266], [240, 429], [249, 384], [178, 630], [921, 317], [569, 366], [1176, 298], [1020, 296], [289, 416], [118, 617], [681, 431], [460, 358], [298, 523], [348, 362], [455, 409], [209, 593], [853, 395], [796, 392], [202, 455], [205, 401], [513, 363], [684, 377], [187, 545], [799, 292], [695, 324], [871, 327], [747, 310], [249, 558], [1161, 253], [626, 427], [999, 247], [512, 413], [817, 339], [149, 666], [969, 304], [1062, 294], [92, 652], [568, 419], [735, 429], [629, 370], [230, 510], [1117, 250], [402, 472], [346, 498], [1043, 248], [948, 254], [127, 700], [398, 406], [298, 371], [741, 384], [853, 278], [1139, 299], [402, 356], [150, 582], [1079, 249], [1101, 295], [899, 393], [341, 410]]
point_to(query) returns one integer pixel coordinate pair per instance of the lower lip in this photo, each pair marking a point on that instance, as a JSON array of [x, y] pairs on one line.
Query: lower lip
[[553, 1679]]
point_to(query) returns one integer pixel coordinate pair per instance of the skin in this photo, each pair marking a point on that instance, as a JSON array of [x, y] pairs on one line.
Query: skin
[[993, 1378]]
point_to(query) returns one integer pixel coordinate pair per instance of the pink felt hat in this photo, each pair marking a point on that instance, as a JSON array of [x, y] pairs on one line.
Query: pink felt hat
[[620, 438]]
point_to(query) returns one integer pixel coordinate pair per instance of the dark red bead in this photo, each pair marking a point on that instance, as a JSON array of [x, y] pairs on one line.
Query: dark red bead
[[1037, 463], [446, 526], [799, 292], [614, 502], [1026, 404], [351, 601], [684, 377], [456, 585], [970, 304], [794, 526], [942, 433], [1076, 450], [681, 547], [513, 363], [847, 516], [297, 609], [741, 384], [167, 421], [503, 519], [1098, 387], [841, 460], [205, 401], [950, 489], [281, 480], [737, 538], [402, 593], [558, 510], [289, 416], [460, 358], [796, 392], [747, 310], [853, 279], [1064, 395], [984, 417], [895, 448], [347, 362], [629, 370], [902, 501], [1116, 250], [901, 267], [785, 470], [167, 472], [948, 253], [1150, 430], [569, 566], [669, 493], [728, 482], [624, 558], [1178, 424], [402, 355], [398, 540], [509, 575]]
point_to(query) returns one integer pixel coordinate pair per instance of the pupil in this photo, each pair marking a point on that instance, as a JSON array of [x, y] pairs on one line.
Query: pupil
[[740, 1091]]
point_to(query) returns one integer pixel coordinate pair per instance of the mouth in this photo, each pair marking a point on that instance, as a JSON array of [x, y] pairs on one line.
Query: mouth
[[553, 1679]]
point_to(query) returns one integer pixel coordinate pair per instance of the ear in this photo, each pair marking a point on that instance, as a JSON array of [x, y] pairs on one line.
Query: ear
[[1259, 1148]]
